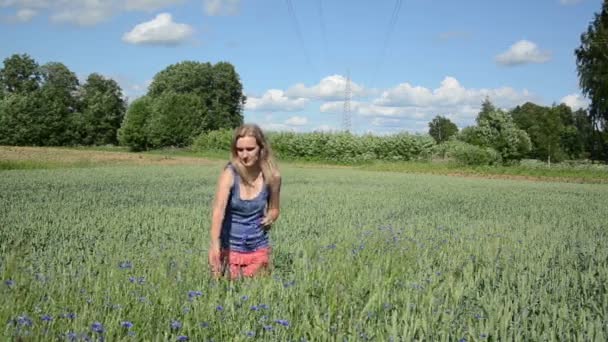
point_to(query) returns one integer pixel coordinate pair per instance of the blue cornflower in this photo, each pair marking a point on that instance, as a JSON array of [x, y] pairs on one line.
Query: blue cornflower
[[483, 336], [176, 325], [204, 325], [132, 279], [192, 294], [9, 283], [289, 284], [251, 333], [282, 322], [126, 324], [97, 327], [46, 318], [263, 306], [125, 265], [462, 340], [182, 338], [244, 297], [23, 321], [268, 327], [254, 308], [219, 308]]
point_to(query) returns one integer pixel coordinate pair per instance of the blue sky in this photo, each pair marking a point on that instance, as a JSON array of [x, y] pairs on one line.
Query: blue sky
[[407, 60]]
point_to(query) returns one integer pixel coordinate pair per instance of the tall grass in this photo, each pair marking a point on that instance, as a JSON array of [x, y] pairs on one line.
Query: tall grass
[[357, 255]]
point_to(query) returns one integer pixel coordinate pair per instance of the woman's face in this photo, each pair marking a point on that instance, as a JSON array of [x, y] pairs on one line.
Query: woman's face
[[247, 151]]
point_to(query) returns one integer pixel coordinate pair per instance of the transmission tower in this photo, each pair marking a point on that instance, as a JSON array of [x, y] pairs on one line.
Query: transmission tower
[[346, 110]]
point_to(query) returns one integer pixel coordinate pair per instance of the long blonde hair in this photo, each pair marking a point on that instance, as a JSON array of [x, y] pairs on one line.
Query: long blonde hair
[[266, 160]]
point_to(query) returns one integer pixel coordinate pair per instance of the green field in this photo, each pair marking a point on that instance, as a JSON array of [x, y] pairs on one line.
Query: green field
[[358, 255]]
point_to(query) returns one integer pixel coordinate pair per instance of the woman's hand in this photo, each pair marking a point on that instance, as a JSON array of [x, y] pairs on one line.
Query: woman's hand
[[214, 259]]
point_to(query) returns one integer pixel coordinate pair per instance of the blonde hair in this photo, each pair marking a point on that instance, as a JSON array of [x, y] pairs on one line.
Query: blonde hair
[[265, 158]]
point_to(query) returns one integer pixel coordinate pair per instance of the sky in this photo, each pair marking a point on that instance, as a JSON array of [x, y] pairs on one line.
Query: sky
[[404, 61]]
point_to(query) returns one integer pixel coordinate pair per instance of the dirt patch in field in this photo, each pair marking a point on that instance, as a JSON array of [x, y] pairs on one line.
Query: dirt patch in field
[[71, 157]]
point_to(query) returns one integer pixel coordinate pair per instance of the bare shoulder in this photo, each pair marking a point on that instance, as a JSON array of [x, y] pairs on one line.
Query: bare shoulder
[[226, 177], [276, 178]]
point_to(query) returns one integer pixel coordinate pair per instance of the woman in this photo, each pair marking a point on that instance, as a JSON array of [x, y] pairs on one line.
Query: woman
[[246, 205]]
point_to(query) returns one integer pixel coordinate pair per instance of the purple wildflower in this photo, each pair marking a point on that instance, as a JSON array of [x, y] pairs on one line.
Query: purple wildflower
[[97, 327], [263, 306], [268, 327], [23, 321], [176, 325], [282, 322], [9, 283], [68, 315], [182, 338], [46, 318], [193, 294], [254, 308], [204, 325], [251, 333], [126, 324], [219, 308]]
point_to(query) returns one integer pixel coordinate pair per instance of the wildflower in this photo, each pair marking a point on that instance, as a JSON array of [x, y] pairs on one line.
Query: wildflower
[[219, 308], [289, 284], [71, 336], [182, 338], [126, 324], [251, 333], [9, 283], [23, 321], [268, 327], [97, 327], [483, 336], [282, 322], [462, 340], [176, 325], [46, 318], [254, 308], [125, 265], [204, 325], [263, 306], [193, 294], [244, 297]]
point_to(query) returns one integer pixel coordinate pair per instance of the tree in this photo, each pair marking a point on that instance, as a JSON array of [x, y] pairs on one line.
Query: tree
[[199, 97], [496, 129], [544, 126], [592, 67], [487, 107], [20, 74], [441, 129], [134, 129], [103, 110], [59, 105]]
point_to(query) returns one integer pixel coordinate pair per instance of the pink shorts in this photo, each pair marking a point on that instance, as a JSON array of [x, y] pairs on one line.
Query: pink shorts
[[244, 264]]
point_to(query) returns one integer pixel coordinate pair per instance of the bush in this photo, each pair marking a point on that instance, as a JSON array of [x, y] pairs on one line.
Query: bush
[[468, 154], [219, 140]]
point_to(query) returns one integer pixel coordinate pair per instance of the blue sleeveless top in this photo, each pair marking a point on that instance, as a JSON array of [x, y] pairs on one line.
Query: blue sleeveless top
[[242, 230]]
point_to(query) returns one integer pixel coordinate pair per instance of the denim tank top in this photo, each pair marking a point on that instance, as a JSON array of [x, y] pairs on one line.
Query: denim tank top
[[242, 230]]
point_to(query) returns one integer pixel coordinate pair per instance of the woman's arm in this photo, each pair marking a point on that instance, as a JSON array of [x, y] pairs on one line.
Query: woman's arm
[[274, 202], [219, 206]]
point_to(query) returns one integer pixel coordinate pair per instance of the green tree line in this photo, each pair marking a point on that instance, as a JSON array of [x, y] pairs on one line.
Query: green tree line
[[45, 105]]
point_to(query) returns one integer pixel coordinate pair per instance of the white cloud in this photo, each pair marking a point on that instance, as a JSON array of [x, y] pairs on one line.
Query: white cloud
[[272, 126], [84, 12], [569, 2], [330, 88], [274, 100], [25, 15], [523, 52], [161, 30], [221, 7], [296, 121], [575, 101], [449, 94]]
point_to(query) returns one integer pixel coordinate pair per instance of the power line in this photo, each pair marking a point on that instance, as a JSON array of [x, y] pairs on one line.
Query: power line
[[391, 26], [294, 19]]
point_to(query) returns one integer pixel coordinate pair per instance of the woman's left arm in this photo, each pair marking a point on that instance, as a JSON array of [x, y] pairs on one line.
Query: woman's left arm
[[273, 209]]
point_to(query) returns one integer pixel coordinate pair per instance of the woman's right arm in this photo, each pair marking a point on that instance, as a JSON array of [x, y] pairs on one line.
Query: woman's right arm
[[219, 207]]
